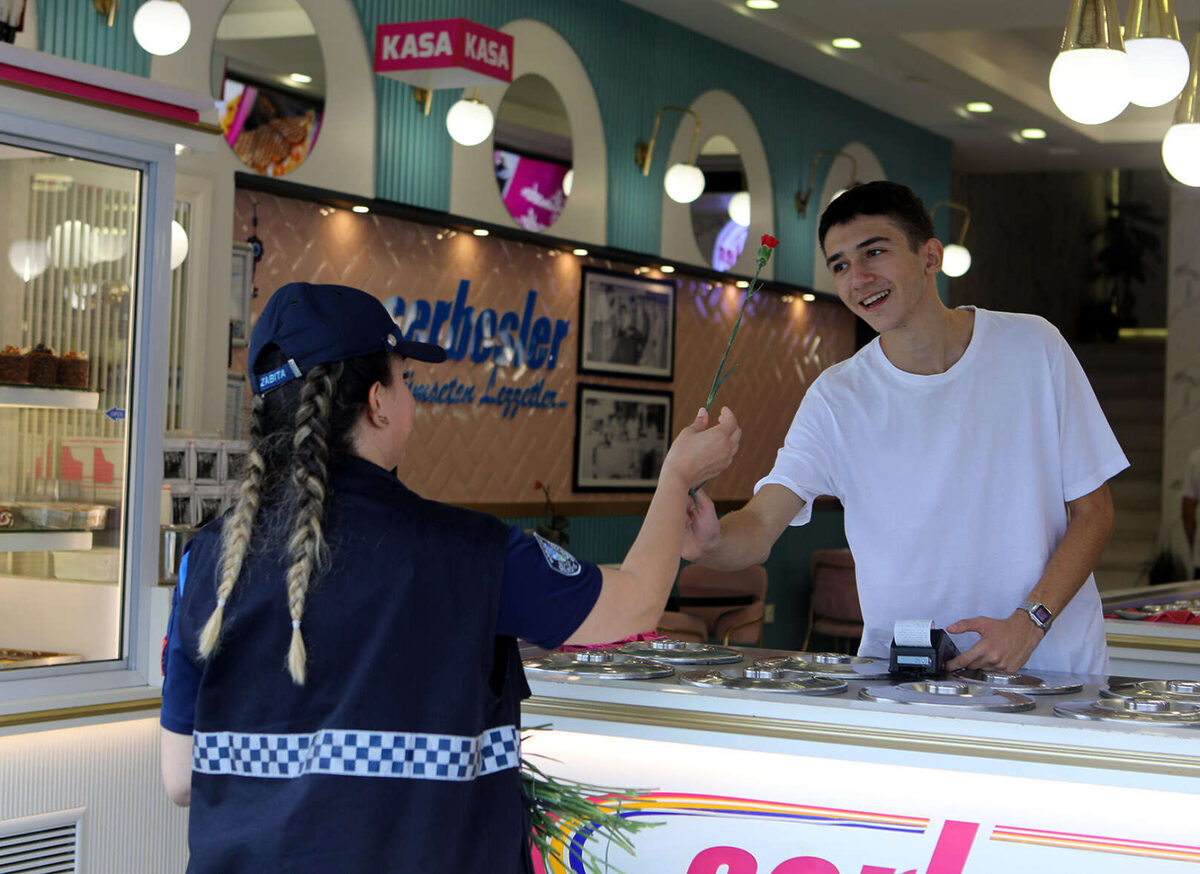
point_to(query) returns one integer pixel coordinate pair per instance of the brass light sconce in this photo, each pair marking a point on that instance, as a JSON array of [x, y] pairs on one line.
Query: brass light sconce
[[803, 197], [107, 7], [956, 258], [684, 182]]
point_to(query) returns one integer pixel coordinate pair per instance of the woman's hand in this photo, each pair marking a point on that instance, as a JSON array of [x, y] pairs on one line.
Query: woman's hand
[[699, 452]]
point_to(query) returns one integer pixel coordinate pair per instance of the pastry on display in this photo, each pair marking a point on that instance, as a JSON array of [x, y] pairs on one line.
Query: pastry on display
[[73, 370], [14, 365], [43, 365]]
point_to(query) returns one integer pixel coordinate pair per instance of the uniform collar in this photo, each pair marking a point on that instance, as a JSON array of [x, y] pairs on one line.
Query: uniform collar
[[354, 467]]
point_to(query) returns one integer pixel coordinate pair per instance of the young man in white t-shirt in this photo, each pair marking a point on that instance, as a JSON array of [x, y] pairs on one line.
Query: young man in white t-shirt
[[966, 447], [1191, 494]]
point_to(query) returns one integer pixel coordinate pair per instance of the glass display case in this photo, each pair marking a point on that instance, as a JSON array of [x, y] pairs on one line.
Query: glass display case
[[69, 227]]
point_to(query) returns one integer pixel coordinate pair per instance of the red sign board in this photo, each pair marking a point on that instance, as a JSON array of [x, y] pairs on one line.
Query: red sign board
[[450, 53]]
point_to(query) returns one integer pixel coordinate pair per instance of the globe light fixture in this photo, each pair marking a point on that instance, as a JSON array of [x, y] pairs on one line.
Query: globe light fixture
[[956, 258], [70, 245], [1158, 61], [568, 183], [803, 197], [1181, 145], [179, 244], [28, 259], [161, 27], [1090, 78], [684, 181], [739, 208], [470, 121]]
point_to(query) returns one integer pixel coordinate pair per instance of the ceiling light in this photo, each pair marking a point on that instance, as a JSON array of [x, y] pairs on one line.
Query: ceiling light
[[180, 148], [1158, 62], [683, 182], [580, 252], [667, 268], [808, 298], [1032, 133], [161, 27], [358, 207], [741, 283], [1090, 78], [480, 232], [470, 122], [979, 106], [1181, 145], [762, 4], [300, 78], [845, 42], [739, 209]]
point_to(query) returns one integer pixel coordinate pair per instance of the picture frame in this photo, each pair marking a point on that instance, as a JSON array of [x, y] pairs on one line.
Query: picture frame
[[621, 437], [241, 289], [626, 325]]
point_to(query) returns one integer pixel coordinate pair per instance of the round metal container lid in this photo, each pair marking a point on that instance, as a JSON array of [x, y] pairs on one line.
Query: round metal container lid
[[1176, 690], [604, 663], [948, 693], [829, 664], [1152, 711], [682, 652], [761, 679], [1041, 683]]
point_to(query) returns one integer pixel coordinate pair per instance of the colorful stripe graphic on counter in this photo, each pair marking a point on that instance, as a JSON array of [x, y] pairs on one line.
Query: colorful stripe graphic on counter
[[1096, 843]]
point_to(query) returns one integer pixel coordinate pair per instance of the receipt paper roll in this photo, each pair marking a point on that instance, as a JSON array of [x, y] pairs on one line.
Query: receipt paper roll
[[913, 632]]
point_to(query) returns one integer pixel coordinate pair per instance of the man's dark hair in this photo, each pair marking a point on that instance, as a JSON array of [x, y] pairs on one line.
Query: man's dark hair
[[889, 199]]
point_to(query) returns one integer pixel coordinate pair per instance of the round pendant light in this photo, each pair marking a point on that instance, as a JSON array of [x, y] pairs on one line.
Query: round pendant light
[[469, 122], [739, 209], [1181, 145], [179, 244], [1090, 78], [161, 27], [28, 259], [1158, 61], [684, 182]]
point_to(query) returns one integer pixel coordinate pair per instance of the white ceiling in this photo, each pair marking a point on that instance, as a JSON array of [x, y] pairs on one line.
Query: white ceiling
[[923, 60]]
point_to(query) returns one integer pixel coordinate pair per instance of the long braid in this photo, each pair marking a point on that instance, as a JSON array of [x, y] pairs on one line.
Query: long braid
[[235, 537], [310, 470]]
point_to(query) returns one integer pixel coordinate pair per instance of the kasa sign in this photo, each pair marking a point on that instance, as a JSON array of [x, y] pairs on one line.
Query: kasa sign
[[449, 53]]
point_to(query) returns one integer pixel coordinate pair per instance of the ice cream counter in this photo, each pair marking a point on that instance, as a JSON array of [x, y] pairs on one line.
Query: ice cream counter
[[767, 762]]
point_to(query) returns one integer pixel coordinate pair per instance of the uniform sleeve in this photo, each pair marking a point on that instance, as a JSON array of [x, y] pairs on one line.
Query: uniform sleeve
[[546, 593], [1087, 446], [805, 463], [181, 674]]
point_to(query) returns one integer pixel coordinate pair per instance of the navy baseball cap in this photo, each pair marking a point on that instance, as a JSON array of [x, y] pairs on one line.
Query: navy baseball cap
[[318, 324]]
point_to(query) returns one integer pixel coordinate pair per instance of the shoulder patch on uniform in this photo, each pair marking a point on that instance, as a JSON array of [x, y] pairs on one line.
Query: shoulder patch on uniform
[[558, 558]]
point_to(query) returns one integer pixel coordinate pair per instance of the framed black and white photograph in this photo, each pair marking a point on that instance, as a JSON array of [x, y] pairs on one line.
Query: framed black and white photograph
[[627, 325], [621, 438]]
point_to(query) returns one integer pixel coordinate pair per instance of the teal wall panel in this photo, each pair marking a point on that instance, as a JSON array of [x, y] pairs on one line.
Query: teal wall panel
[[639, 62], [606, 539], [74, 29]]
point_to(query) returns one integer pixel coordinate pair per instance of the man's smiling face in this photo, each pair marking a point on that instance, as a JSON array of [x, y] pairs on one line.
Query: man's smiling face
[[876, 272]]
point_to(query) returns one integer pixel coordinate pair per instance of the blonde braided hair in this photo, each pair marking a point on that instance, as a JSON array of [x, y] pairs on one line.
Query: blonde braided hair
[[235, 537], [310, 471]]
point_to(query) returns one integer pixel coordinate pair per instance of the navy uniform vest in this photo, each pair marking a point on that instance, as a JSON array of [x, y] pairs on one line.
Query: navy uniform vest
[[401, 751]]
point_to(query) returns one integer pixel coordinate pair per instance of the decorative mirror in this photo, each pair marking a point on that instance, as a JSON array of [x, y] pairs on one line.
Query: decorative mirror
[[268, 77], [533, 152], [721, 215]]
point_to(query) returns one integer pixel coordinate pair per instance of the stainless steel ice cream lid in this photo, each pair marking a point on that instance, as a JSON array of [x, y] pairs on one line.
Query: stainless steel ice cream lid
[[1040, 683], [605, 663], [763, 679], [1176, 690], [1150, 710], [829, 664], [682, 652], [948, 693]]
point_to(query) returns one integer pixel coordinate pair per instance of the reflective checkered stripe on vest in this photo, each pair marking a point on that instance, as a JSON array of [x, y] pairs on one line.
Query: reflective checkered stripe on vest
[[357, 754]]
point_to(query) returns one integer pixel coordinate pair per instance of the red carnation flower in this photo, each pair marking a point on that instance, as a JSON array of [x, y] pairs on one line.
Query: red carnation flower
[[769, 241]]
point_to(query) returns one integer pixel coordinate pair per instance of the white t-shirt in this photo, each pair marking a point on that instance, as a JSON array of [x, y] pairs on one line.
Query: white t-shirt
[[954, 485], [1191, 489]]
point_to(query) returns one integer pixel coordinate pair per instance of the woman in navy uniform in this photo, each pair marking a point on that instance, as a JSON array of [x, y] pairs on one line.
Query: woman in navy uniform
[[342, 682]]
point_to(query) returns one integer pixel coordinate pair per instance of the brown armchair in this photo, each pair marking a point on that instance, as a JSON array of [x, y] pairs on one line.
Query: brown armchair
[[833, 608]]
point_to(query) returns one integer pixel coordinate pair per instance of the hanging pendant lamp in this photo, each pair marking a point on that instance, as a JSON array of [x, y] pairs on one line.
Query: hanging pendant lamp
[[1181, 145], [1158, 61], [1090, 79]]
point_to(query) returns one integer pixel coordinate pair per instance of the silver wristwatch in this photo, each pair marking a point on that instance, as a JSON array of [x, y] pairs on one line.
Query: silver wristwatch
[[1039, 613]]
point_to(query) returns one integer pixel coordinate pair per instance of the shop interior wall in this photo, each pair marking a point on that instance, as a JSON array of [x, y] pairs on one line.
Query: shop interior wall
[[1033, 242], [470, 453]]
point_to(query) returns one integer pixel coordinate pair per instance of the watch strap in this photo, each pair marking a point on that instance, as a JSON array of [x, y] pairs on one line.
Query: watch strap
[[1039, 613]]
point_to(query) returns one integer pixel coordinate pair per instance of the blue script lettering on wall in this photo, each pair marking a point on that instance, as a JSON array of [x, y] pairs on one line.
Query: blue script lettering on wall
[[499, 339], [509, 338]]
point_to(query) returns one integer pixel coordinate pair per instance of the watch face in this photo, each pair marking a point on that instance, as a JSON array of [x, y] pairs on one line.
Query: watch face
[[1041, 614]]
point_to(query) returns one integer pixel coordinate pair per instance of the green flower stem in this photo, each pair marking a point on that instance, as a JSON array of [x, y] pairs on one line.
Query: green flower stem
[[754, 286]]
